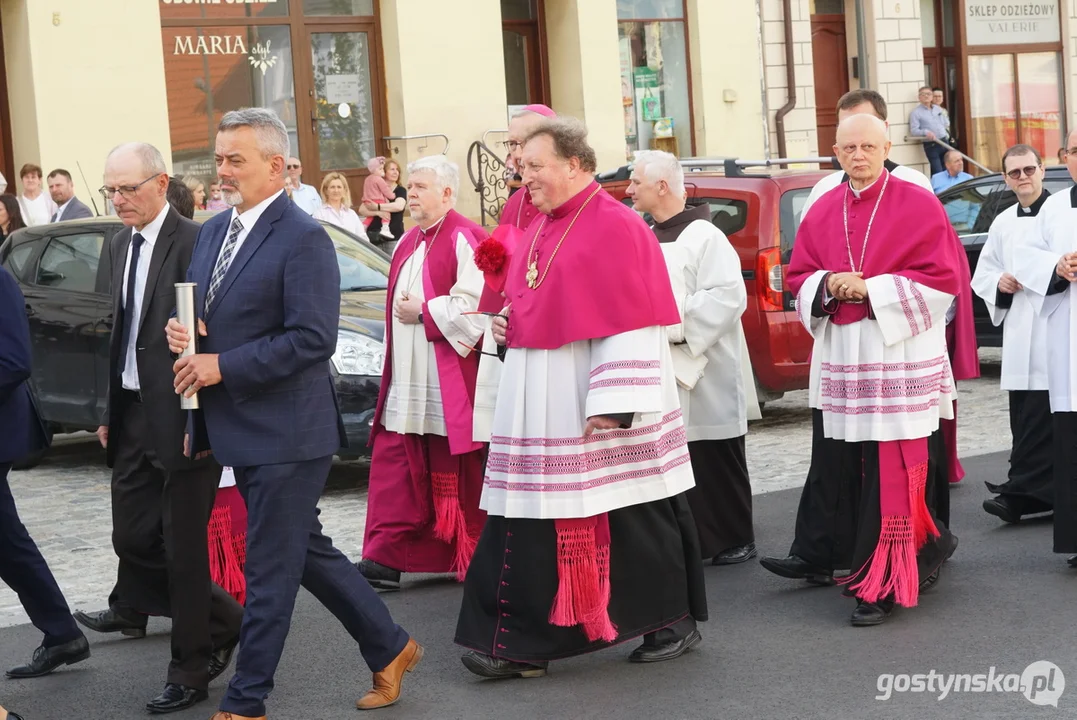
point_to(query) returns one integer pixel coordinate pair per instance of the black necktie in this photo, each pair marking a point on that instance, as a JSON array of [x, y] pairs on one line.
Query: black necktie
[[129, 302]]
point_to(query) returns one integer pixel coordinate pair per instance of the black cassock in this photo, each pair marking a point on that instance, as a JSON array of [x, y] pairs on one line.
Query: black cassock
[[722, 497], [1031, 473], [1065, 480], [656, 580]]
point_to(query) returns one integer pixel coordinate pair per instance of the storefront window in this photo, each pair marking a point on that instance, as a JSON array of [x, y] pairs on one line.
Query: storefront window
[[211, 70], [927, 22], [343, 99], [338, 7], [654, 76], [201, 11], [992, 102], [1040, 102]]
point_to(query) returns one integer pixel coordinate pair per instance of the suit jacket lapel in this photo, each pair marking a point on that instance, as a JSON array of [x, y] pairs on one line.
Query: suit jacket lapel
[[161, 248], [119, 263], [251, 243]]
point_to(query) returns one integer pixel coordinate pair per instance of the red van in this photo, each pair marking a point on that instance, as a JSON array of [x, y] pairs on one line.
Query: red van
[[758, 207]]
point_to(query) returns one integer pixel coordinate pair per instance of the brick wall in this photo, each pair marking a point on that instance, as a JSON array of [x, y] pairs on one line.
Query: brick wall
[[800, 130]]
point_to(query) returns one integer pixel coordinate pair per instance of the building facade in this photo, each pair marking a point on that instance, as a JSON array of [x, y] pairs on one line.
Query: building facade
[[353, 79]]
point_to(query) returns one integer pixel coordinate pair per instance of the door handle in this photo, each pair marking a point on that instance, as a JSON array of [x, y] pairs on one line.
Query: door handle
[[29, 310], [313, 122]]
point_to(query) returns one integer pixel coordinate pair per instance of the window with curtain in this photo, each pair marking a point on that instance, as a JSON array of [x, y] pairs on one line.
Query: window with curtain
[[654, 76]]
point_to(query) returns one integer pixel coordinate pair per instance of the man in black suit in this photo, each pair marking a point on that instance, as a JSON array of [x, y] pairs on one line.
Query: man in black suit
[[22, 567], [62, 190], [161, 499]]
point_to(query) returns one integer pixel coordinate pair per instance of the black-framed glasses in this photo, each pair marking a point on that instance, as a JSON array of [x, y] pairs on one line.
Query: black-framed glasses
[[1028, 170], [126, 191], [478, 350], [512, 144]]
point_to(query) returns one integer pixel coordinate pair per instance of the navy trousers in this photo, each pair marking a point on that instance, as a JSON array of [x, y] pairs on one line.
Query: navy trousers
[[285, 549], [935, 154], [23, 569]]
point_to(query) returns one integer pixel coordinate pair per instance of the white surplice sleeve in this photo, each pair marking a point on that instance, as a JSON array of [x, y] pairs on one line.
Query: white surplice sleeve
[[447, 311], [714, 309], [904, 308], [626, 373], [989, 269], [1034, 267]]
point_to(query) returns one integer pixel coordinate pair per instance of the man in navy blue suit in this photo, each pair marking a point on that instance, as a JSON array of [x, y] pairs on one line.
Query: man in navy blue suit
[[22, 567], [268, 301]]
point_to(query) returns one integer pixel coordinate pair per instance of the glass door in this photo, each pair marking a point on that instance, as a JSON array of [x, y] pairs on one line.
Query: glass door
[[345, 119]]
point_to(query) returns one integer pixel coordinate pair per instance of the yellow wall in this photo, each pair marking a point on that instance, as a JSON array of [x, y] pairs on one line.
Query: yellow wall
[[81, 81], [726, 128], [444, 73], [585, 72]]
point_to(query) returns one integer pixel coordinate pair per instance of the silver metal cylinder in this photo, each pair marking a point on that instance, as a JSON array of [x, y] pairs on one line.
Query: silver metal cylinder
[[185, 313]]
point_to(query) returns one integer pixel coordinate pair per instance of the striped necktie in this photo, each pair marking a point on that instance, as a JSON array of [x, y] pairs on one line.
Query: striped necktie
[[224, 260]]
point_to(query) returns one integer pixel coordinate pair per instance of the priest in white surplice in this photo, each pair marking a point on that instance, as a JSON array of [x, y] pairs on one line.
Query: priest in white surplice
[[874, 290], [426, 468], [709, 353], [1029, 488], [588, 539], [1047, 268]]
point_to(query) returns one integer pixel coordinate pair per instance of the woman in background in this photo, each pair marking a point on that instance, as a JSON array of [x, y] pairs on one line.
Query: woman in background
[[396, 208], [336, 205], [198, 191], [10, 215]]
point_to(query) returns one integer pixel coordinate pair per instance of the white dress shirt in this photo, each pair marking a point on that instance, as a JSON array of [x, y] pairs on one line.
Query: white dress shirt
[[248, 219], [60, 210], [38, 211], [149, 234], [346, 219], [307, 198]]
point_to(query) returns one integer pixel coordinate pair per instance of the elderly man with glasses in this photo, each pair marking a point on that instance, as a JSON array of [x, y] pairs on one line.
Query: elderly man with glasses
[[305, 196]]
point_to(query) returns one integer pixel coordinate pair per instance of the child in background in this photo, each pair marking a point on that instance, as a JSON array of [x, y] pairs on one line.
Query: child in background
[[376, 190]]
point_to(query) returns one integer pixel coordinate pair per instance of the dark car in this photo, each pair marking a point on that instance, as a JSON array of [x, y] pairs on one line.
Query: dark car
[[972, 206], [63, 270]]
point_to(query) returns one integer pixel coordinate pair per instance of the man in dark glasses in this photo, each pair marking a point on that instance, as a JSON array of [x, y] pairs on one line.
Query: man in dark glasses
[[1029, 488], [1046, 266]]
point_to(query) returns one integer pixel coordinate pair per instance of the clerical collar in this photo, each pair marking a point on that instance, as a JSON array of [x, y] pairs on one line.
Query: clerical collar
[[669, 230], [869, 190], [435, 226], [573, 203], [1034, 209]]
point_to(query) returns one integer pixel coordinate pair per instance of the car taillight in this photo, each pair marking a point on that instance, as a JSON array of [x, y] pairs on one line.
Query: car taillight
[[769, 279]]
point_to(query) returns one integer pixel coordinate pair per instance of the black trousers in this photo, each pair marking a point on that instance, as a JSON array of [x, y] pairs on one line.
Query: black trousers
[[722, 497], [23, 569], [159, 521], [1065, 474], [1032, 459]]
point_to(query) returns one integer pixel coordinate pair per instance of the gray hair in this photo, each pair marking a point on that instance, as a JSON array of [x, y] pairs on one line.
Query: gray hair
[[271, 133], [660, 165], [150, 157], [446, 172]]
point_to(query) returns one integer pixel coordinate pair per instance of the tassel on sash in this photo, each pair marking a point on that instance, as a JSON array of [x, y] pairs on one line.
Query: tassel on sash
[[583, 572], [227, 548], [450, 522]]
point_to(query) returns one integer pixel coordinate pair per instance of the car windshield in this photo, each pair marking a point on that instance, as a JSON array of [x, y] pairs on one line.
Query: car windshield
[[361, 267]]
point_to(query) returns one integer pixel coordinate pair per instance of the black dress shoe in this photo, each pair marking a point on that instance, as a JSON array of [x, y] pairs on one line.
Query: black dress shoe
[[1072, 561], [13, 716], [798, 568], [112, 620], [868, 614], [380, 577], [47, 659], [176, 697], [735, 555], [498, 668], [669, 651], [1011, 508], [222, 658]]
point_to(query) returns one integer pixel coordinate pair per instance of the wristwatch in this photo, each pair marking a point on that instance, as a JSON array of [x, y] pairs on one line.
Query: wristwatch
[[420, 318]]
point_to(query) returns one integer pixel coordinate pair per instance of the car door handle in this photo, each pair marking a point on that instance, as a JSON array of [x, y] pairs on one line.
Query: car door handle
[[29, 310]]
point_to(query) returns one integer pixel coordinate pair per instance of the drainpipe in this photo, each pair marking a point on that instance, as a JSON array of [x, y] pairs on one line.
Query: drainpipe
[[862, 47], [790, 79]]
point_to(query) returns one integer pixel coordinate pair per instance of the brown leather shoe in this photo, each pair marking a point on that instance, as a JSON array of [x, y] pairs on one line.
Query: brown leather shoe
[[222, 715], [386, 690]]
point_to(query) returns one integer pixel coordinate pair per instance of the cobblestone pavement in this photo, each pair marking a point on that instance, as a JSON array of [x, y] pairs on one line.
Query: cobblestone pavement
[[65, 501]]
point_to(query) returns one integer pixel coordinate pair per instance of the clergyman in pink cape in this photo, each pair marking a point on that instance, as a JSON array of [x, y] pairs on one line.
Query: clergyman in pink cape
[[874, 290], [426, 469]]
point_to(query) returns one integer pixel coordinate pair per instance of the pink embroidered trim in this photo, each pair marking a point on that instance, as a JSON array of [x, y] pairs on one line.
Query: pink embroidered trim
[[905, 305], [590, 484], [921, 305], [625, 382], [589, 460], [885, 367], [626, 365], [880, 409], [883, 387], [598, 437]]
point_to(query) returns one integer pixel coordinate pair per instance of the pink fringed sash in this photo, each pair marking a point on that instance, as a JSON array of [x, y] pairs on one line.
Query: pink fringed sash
[[583, 573], [450, 522], [906, 526], [227, 539]]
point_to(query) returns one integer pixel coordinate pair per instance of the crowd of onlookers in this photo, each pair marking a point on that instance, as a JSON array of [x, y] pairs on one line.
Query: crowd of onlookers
[[379, 216]]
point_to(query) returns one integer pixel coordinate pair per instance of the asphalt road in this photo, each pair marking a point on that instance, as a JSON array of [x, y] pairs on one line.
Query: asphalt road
[[772, 649]]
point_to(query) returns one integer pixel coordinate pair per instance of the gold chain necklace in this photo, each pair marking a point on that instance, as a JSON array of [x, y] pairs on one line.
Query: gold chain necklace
[[533, 279], [426, 254]]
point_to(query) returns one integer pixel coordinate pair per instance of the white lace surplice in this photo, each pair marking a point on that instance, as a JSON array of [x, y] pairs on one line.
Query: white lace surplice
[[540, 465], [414, 403], [881, 379]]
